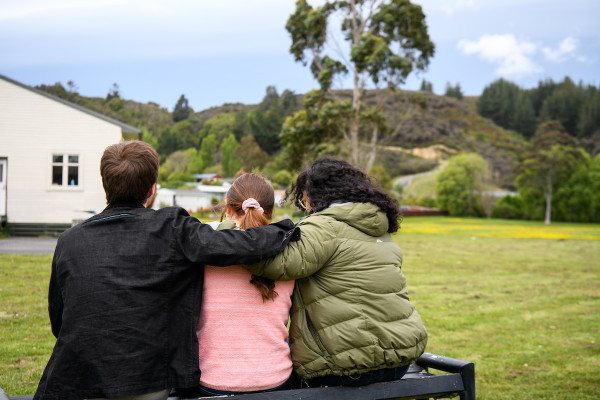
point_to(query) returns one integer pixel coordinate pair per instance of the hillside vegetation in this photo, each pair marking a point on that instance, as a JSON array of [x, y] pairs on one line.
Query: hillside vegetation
[[442, 127], [418, 137]]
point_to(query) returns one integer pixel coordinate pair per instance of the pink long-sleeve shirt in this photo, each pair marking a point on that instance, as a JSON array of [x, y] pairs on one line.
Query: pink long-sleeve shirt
[[242, 340]]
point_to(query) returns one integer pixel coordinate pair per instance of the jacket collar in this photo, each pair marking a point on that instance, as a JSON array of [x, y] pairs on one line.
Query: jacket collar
[[124, 204]]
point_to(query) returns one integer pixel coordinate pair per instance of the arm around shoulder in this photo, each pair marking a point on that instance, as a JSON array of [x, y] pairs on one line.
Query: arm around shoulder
[[200, 243], [303, 257]]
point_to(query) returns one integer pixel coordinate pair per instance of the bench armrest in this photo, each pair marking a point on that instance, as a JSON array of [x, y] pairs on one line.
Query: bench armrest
[[442, 363]]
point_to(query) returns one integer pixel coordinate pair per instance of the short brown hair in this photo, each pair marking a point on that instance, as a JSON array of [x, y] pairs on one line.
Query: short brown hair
[[128, 169]]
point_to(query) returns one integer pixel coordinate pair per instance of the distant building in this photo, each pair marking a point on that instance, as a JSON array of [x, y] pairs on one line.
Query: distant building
[[207, 177], [201, 197], [50, 153]]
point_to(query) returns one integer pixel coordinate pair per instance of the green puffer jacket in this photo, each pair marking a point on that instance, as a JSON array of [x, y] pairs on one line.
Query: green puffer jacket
[[351, 313]]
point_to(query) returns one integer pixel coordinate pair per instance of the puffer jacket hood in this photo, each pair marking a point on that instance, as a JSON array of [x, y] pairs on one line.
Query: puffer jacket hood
[[365, 217]]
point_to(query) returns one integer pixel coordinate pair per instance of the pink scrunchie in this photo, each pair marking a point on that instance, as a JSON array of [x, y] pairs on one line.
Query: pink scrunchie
[[252, 203]]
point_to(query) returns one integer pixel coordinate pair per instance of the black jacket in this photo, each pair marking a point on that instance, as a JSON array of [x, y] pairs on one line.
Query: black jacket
[[125, 294]]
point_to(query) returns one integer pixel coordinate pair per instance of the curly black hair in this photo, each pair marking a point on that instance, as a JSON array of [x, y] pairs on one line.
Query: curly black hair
[[329, 180]]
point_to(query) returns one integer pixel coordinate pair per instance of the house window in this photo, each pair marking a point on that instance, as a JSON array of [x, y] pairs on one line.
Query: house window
[[65, 170]]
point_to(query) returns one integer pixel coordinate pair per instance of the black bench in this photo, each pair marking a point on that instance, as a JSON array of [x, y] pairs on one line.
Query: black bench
[[418, 383]]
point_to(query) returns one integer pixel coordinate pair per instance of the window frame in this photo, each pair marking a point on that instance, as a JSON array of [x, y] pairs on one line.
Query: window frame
[[65, 164]]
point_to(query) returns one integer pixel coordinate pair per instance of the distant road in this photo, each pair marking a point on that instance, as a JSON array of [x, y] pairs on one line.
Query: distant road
[[501, 193], [27, 245]]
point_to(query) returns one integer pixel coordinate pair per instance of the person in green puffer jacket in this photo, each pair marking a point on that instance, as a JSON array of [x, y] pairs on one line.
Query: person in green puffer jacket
[[352, 322]]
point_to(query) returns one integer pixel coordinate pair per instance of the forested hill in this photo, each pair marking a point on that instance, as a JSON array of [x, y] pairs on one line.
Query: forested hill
[[148, 116], [421, 128], [422, 120]]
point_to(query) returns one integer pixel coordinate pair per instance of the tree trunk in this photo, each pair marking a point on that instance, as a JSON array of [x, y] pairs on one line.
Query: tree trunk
[[354, 120], [356, 92], [470, 204], [372, 150], [548, 195]]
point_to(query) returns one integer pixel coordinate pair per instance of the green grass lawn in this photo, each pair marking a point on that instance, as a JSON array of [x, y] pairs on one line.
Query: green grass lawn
[[25, 338], [519, 299]]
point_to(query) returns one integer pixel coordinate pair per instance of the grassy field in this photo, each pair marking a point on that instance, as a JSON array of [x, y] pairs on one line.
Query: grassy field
[[519, 299]]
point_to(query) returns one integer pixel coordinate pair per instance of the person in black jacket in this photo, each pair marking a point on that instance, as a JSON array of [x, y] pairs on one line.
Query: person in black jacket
[[125, 287]]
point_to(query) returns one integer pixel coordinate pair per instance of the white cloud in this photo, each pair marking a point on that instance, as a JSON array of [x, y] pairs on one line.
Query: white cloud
[[512, 56], [564, 51]]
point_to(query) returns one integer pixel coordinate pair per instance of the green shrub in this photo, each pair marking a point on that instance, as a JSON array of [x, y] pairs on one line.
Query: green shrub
[[399, 188], [178, 176], [282, 178], [381, 178], [509, 207]]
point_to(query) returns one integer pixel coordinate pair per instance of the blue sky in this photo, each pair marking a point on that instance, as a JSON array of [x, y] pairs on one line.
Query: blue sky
[[231, 50]]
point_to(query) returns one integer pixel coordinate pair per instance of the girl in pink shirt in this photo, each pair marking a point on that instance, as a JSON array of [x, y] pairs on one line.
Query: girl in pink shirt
[[242, 330]]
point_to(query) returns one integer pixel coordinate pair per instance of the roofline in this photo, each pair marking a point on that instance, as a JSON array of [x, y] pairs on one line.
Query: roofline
[[125, 128]]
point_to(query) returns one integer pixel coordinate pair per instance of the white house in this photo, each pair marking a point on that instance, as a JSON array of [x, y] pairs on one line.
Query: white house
[[50, 153]]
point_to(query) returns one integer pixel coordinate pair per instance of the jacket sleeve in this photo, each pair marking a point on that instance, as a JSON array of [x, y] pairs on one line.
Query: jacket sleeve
[[303, 257], [55, 301], [201, 244]]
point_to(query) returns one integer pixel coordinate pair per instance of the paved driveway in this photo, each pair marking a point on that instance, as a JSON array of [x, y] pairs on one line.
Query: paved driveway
[[28, 245]]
